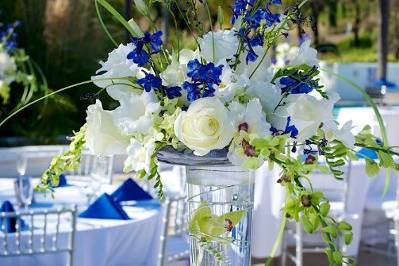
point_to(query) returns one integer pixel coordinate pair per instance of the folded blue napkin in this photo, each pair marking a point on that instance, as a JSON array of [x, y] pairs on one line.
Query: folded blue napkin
[[105, 208], [367, 153], [9, 224], [128, 191], [62, 182]]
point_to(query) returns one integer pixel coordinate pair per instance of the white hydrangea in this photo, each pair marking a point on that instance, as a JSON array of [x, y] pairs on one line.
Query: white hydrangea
[[7, 68]]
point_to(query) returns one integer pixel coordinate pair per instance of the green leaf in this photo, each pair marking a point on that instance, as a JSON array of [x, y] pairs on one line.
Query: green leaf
[[307, 225], [331, 230], [220, 17], [337, 257], [372, 168], [324, 208], [348, 238], [386, 160], [344, 226]]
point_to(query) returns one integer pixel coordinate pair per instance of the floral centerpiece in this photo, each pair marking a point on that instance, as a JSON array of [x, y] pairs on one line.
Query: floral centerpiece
[[228, 94], [15, 66]]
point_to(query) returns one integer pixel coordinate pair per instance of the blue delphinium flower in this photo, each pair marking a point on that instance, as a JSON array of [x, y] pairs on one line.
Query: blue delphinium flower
[[204, 73], [152, 42], [8, 35], [173, 92], [293, 86], [239, 7], [204, 77], [254, 20], [150, 82], [289, 129], [193, 91]]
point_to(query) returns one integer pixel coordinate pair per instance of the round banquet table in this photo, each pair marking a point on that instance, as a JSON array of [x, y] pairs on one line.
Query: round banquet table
[[98, 242]]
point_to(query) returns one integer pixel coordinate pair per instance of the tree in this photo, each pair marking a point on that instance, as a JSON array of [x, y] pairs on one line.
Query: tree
[[383, 47]]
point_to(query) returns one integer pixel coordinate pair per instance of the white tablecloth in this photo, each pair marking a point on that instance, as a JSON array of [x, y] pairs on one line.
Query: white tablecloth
[[101, 242]]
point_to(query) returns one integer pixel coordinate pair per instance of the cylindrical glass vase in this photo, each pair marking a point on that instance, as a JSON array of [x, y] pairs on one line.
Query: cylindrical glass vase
[[220, 203], [224, 192]]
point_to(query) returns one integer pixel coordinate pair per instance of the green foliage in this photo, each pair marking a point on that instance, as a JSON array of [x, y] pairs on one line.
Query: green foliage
[[69, 160]]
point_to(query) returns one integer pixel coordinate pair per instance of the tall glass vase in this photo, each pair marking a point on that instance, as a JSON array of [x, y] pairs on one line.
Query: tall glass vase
[[220, 203]]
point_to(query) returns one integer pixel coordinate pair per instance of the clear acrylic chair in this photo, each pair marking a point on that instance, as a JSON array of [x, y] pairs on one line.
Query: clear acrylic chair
[[39, 232], [347, 199], [174, 238]]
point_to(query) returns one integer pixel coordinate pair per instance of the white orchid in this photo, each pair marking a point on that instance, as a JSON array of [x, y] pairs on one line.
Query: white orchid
[[304, 55]]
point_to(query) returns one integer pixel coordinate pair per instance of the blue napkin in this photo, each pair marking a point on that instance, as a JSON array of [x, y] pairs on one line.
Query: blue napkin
[[128, 191], [367, 153], [10, 223], [105, 208], [62, 182]]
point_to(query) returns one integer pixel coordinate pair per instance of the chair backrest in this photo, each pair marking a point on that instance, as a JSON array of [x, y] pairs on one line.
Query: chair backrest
[[91, 165], [174, 223], [39, 232], [334, 189]]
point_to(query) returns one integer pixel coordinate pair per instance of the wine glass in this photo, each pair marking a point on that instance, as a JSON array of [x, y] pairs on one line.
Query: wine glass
[[24, 190], [22, 162]]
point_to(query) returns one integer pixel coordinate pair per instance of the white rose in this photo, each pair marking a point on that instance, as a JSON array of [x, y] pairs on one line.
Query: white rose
[[139, 156], [7, 68], [135, 113], [250, 117], [205, 126], [116, 66], [102, 137], [305, 55], [218, 46]]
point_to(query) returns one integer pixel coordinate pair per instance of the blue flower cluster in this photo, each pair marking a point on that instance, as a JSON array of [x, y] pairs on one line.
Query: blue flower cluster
[[289, 129], [8, 36], [152, 82], [144, 47], [255, 23], [294, 86], [300, 82], [204, 77]]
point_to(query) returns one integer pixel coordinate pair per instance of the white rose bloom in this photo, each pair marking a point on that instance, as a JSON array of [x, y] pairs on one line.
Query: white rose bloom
[[205, 126], [116, 66], [176, 73], [218, 46], [308, 113], [139, 156], [7, 68], [135, 113], [305, 55], [102, 137], [251, 115]]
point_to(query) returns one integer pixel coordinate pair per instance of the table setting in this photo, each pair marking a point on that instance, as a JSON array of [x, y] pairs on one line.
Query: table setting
[[119, 225]]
